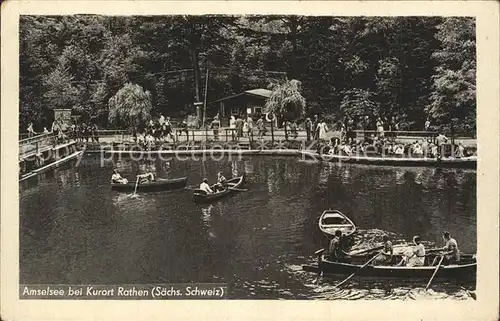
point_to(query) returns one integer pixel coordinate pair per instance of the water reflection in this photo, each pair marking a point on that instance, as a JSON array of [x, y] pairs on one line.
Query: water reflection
[[234, 168], [256, 240], [248, 166]]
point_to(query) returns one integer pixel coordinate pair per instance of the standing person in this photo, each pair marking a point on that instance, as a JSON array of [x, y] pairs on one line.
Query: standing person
[[161, 120], [250, 125], [232, 126], [260, 127], [239, 127], [31, 132], [168, 128], [395, 127], [245, 128], [440, 141], [366, 127], [183, 128], [417, 256], [351, 134], [380, 128], [95, 134], [315, 126], [427, 124], [451, 254], [459, 152], [293, 129], [308, 126], [84, 132], [215, 126], [321, 130]]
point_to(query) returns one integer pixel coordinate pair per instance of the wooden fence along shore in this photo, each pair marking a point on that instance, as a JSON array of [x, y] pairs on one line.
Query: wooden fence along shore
[[44, 152]]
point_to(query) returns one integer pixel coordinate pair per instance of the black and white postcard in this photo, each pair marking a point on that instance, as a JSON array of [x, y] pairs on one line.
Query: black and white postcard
[[191, 160]]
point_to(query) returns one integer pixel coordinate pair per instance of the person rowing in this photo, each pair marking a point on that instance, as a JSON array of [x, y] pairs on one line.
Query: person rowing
[[417, 256], [205, 187], [385, 258], [451, 252], [221, 182], [116, 178], [146, 178], [336, 253]]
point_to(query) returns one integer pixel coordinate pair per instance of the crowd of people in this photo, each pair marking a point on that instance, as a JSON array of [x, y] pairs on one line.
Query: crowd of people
[[64, 131], [428, 148], [159, 129], [378, 135]]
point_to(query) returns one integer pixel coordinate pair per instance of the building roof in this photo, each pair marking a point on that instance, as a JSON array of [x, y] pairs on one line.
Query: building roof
[[258, 92]]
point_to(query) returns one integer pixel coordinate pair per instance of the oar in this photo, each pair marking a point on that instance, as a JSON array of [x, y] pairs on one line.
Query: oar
[[238, 189], [434, 274], [318, 253], [350, 276], [135, 189]]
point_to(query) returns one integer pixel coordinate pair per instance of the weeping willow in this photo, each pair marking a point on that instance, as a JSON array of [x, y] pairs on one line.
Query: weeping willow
[[286, 100], [130, 106]]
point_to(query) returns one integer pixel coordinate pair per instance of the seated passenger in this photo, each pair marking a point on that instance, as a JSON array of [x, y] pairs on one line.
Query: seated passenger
[[335, 251], [146, 178], [221, 182], [385, 258], [451, 254], [205, 187], [417, 256], [116, 178]]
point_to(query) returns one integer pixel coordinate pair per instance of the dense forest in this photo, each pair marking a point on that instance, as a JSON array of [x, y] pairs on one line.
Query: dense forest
[[409, 67]]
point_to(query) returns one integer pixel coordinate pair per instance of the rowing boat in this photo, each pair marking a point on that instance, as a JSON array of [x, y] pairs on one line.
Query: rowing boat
[[333, 220], [200, 196], [160, 184], [464, 162], [465, 269]]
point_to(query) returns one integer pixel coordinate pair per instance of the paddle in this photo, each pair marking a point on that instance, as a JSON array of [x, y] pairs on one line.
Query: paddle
[[237, 189], [318, 253], [434, 274], [135, 189], [350, 276]]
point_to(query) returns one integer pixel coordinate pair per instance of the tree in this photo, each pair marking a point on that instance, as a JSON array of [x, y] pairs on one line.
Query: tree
[[359, 102], [286, 100], [454, 81], [130, 107]]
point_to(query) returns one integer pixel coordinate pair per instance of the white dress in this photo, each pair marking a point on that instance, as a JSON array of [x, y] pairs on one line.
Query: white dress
[[322, 131]]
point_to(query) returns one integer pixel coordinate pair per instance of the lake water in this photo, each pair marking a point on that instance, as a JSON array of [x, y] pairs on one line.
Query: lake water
[[75, 230]]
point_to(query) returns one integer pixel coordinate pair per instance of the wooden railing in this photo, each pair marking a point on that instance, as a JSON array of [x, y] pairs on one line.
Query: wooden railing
[[35, 144]]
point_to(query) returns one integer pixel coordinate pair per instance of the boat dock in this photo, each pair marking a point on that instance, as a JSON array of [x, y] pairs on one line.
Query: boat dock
[[43, 152]]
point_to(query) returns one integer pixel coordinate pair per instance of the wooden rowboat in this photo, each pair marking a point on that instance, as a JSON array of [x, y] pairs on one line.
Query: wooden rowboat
[[464, 162], [333, 220], [464, 270], [200, 196], [160, 184]]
